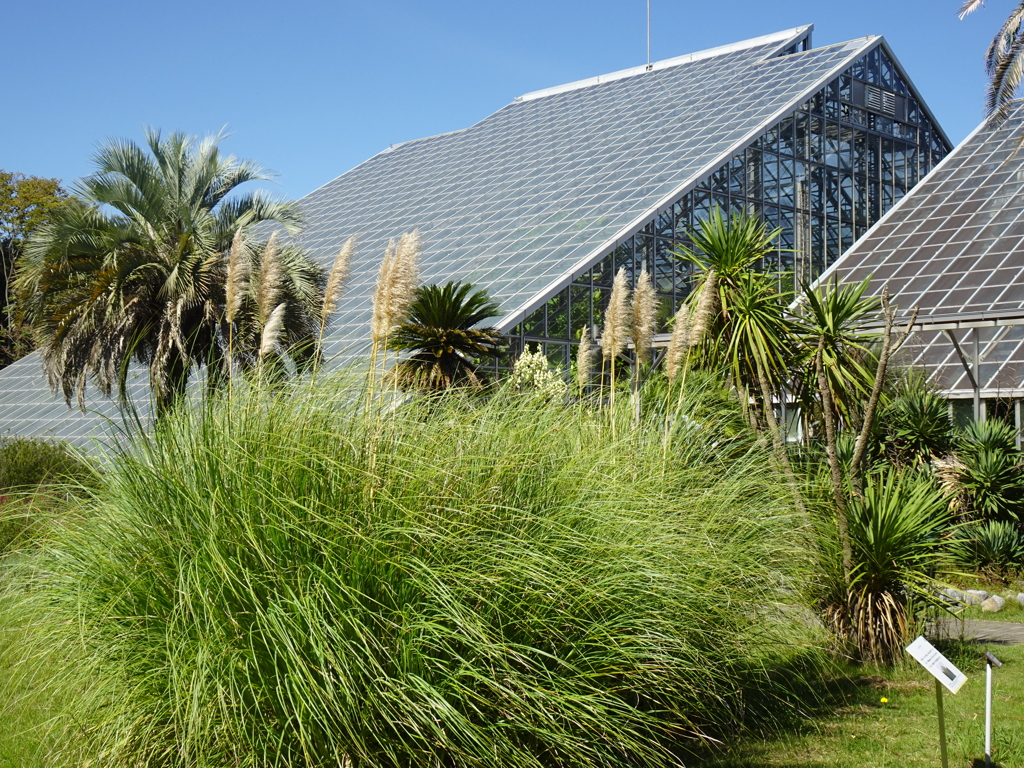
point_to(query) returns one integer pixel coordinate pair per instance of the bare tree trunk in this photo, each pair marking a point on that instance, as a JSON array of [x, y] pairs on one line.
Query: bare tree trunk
[[832, 452], [888, 347]]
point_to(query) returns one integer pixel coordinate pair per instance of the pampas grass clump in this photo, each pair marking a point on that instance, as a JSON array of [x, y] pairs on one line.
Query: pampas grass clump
[[286, 579]]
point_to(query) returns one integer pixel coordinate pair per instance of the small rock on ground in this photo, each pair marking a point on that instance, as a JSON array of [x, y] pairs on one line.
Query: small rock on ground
[[975, 596], [993, 604]]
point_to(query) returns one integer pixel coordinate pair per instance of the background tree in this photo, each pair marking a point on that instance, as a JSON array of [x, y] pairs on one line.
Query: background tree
[[134, 267], [26, 203]]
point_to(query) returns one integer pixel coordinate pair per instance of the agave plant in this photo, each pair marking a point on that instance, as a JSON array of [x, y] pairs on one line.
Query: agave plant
[[896, 532], [447, 347]]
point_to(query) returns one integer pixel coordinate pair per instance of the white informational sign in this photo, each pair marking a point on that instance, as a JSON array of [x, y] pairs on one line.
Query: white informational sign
[[929, 657]]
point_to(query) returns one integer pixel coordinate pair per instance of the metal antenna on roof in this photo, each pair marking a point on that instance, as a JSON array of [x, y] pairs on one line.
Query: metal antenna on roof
[[648, 34]]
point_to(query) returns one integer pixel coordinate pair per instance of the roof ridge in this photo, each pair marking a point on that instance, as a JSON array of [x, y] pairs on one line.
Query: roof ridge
[[782, 37]]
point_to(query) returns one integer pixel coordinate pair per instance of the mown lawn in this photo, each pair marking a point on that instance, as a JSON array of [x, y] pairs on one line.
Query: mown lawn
[[859, 729]]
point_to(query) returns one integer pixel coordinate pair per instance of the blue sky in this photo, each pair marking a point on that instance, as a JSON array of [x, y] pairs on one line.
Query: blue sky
[[311, 89]]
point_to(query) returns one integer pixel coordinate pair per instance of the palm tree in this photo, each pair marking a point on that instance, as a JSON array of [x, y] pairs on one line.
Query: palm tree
[[1004, 61], [135, 268], [440, 333]]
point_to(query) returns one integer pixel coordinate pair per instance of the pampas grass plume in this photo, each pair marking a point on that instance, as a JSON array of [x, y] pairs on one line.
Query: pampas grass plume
[[396, 286], [707, 303], [237, 277], [678, 344], [584, 360], [616, 318], [644, 317], [340, 271], [272, 331], [271, 277]]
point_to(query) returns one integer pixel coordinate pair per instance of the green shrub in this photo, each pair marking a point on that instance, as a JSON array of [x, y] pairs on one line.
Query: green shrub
[[34, 476], [994, 545], [282, 581], [26, 463]]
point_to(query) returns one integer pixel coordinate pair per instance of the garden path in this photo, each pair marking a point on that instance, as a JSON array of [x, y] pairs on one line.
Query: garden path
[[980, 631]]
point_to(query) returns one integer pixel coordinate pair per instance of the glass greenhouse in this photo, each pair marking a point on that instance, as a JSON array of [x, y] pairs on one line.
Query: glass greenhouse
[[543, 201]]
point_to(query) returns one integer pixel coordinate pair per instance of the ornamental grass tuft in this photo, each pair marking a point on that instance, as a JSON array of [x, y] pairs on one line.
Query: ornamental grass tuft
[[284, 579]]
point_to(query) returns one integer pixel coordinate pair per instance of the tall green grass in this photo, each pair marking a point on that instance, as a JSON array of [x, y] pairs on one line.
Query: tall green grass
[[281, 579]]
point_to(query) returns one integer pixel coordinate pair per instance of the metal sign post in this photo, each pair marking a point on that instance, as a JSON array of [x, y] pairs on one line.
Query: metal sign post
[[945, 674], [990, 661], [942, 723]]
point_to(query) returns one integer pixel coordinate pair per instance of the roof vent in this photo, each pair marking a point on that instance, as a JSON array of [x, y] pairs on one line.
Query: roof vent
[[881, 101]]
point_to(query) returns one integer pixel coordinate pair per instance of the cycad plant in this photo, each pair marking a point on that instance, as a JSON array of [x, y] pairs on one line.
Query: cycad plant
[[134, 267], [447, 347]]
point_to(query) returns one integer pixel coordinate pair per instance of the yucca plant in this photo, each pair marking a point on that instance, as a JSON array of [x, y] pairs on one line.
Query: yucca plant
[[896, 532], [917, 428], [990, 435], [991, 470]]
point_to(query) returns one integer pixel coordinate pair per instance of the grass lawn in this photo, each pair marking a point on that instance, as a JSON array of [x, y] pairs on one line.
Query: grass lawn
[[859, 729]]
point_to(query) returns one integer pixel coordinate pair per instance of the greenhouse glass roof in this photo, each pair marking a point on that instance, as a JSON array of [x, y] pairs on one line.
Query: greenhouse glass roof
[[954, 249], [534, 194]]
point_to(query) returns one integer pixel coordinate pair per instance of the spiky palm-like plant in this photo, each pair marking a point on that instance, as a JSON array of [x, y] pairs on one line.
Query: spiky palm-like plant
[[136, 267], [897, 532], [830, 322], [446, 346], [739, 323], [831, 376]]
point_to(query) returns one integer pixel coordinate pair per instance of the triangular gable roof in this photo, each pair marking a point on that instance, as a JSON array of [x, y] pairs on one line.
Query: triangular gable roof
[[954, 246]]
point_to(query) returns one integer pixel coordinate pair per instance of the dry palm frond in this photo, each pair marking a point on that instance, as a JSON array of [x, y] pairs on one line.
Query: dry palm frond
[[272, 331], [584, 360], [396, 286], [949, 472], [645, 309], [238, 276], [616, 319], [271, 277], [707, 304], [340, 271], [679, 343]]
